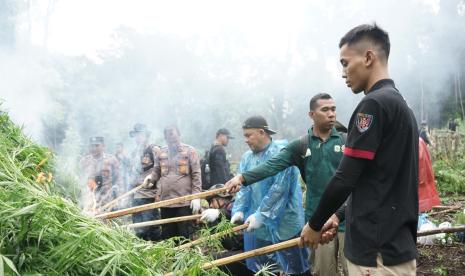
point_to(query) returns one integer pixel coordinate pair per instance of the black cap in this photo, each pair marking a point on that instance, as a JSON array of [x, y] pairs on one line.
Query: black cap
[[258, 122], [96, 140], [224, 131], [139, 128]]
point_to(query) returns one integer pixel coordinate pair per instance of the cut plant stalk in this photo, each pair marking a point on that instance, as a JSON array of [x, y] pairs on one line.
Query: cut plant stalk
[[163, 221], [441, 230], [140, 208], [451, 209], [249, 254], [110, 204], [43, 233], [214, 236], [94, 203]]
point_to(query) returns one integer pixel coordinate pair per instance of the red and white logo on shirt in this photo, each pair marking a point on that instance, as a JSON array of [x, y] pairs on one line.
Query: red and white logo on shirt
[[363, 121]]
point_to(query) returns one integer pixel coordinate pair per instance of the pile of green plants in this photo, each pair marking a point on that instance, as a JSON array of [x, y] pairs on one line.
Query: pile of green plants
[[44, 233], [449, 169], [450, 176]]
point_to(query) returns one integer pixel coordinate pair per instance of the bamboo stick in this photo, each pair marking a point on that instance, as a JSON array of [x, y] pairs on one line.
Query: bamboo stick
[[162, 221], [248, 254], [443, 207], [295, 242], [441, 230], [451, 209], [110, 204], [159, 204], [94, 203], [214, 236]]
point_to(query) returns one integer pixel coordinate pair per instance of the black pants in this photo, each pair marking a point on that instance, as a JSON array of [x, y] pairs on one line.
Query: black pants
[[148, 233], [183, 228]]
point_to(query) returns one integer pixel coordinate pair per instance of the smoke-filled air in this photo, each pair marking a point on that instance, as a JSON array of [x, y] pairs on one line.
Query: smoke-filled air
[[76, 74]]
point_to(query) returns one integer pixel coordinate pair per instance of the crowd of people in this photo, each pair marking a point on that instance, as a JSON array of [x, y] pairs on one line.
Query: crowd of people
[[361, 201]]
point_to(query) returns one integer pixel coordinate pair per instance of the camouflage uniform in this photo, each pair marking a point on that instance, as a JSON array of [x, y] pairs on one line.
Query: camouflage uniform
[[177, 173], [105, 172]]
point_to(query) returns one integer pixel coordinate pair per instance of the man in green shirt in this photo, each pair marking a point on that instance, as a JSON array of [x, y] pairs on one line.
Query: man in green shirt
[[317, 156]]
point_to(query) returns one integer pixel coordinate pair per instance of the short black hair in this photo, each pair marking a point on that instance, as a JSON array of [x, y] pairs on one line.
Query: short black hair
[[319, 96], [171, 127], [371, 32]]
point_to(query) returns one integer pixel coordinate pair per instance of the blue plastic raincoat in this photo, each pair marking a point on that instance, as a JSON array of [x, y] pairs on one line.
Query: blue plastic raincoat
[[277, 203]]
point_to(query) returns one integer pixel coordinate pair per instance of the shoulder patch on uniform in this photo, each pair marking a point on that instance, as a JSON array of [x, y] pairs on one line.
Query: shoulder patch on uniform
[[364, 121]]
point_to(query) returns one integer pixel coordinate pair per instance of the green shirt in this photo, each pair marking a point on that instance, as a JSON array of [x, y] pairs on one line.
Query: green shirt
[[320, 163]]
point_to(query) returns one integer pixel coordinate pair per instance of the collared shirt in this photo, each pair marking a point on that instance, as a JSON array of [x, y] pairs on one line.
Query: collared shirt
[[104, 169], [177, 172], [321, 161], [142, 162], [382, 215]]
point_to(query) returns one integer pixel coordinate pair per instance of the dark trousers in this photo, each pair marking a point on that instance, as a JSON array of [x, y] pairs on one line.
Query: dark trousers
[[183, 228], [148, 233]]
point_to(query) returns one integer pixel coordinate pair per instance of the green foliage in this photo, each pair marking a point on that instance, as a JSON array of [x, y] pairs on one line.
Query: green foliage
[[43, 233], [460, 218], [449, 169], [442, 271], [450, 176]]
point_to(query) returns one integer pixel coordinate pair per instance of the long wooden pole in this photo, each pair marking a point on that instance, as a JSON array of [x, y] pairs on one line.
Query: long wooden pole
[[114, 201], [252, 253], [440, 230], [295, 242], [162, 221], [159, 204], [214, 236], [452, 209], [248, 254]]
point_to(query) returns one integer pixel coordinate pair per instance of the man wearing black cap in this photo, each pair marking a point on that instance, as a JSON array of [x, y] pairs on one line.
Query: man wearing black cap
[[101, 171], [142, 161], [220, 171], [272, 208], [317, 155]]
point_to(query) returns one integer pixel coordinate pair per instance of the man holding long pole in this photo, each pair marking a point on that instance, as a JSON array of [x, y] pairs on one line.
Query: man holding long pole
[[142, 161], [379, 168], [176, 171], [273, 208]]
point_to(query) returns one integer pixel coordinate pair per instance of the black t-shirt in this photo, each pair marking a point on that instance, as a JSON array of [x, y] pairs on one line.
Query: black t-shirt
[[220, 171], [382, 213]]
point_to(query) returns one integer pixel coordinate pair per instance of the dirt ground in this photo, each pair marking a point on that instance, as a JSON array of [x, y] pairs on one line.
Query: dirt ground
[[441, 259]]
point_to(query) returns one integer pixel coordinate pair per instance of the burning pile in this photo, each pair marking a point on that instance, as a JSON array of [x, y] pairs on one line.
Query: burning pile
[[41, 232]]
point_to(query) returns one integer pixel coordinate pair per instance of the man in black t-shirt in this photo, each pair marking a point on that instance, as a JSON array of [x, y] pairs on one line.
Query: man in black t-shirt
[[220, 171], [379, 168]]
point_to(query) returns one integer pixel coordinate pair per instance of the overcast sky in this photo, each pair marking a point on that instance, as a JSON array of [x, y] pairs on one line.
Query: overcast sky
[[270, 28]]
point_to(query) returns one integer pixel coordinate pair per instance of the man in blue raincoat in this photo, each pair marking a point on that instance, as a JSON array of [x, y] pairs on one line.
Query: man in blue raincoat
[[273, 209]]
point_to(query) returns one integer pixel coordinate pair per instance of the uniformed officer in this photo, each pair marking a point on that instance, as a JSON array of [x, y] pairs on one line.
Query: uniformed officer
[[176, 171], [142, 161], [101, 171], [379, 167]]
